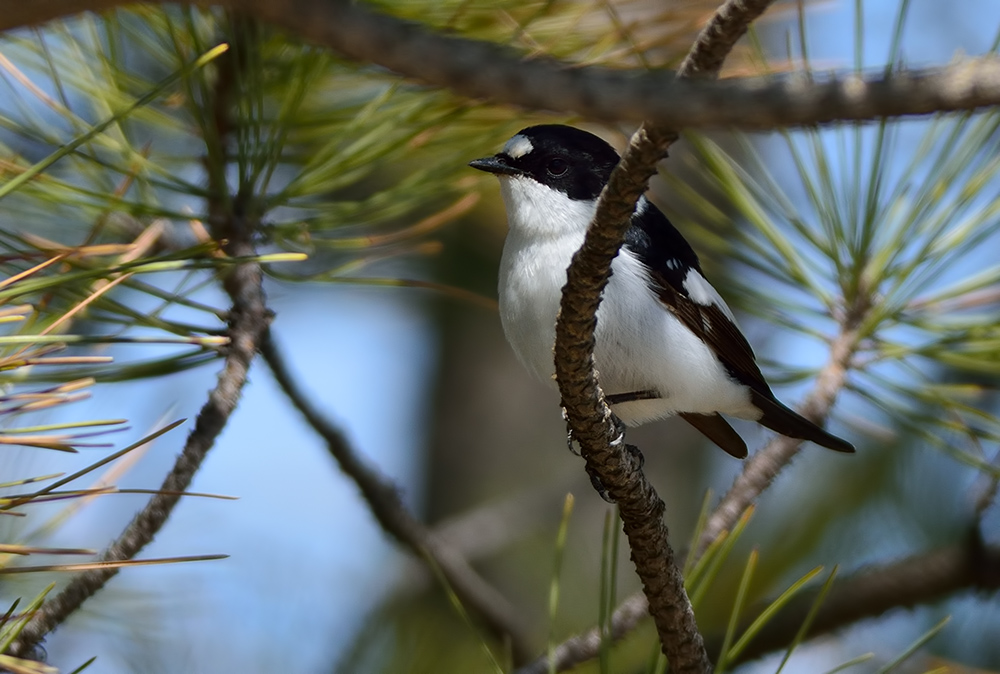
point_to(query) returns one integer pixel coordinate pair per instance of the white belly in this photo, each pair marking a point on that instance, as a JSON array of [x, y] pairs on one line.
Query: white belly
[[640, 346]]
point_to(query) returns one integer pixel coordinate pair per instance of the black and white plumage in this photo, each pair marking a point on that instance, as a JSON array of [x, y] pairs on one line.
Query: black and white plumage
[[666, 343]]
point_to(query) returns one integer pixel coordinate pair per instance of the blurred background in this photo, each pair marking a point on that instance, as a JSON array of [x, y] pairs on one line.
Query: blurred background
[[391, 327]]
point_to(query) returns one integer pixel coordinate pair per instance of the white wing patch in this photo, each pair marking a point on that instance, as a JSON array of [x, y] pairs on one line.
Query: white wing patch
[[518, 146], [702, 292]]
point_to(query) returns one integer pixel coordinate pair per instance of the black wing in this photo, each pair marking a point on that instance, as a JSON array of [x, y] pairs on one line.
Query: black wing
[[674, 269], [672, 262]]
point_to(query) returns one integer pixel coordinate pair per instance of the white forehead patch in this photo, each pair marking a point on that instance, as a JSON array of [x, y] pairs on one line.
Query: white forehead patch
[[518, 146]]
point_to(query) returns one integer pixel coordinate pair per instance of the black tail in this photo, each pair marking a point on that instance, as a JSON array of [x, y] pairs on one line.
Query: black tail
[[782, 420], [718, 430]]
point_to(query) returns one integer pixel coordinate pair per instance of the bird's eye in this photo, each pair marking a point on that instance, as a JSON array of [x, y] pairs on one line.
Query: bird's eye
[[557, 167]]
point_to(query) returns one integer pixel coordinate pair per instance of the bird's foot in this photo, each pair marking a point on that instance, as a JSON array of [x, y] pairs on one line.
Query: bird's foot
[[637, 455], [599, 486], [618, 440], [620, 429], [570, 440]]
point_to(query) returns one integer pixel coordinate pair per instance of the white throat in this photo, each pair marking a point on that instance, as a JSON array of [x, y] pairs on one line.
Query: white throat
[[536, 211], [545, 228]]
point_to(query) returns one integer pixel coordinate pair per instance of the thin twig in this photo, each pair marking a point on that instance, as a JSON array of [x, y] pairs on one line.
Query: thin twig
[[585, 647], [383, 499], [867, 593], [870, 592], [248, 321], [760, 469], [590, 419], [484, 531], [479, 70]]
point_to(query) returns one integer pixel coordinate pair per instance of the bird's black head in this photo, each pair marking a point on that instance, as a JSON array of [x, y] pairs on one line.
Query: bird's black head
[[573, 161]]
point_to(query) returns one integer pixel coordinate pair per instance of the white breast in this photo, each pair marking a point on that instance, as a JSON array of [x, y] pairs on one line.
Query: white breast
[[640, 345]]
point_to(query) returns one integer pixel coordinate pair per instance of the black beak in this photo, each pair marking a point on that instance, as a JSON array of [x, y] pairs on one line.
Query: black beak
[[498, 164]]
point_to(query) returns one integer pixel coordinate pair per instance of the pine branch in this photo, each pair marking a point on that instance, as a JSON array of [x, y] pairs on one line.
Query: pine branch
[[872, 591], [384, 501], [478, 69], [584, 647], [248, 319], [760, 470], [591, 421], [867, 593], [235, 229]]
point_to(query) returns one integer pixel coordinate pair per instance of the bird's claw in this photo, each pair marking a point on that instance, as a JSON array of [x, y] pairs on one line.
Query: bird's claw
[[636, 454], [619, 440], [620, 428], [598, 485]]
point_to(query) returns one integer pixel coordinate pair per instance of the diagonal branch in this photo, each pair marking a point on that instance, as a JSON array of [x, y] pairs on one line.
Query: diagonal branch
[[248, 320], [584, 647], [591, 421], [235, 228], [763, 467], [867, 593], [384, 501], [478, 69], [870, 592]]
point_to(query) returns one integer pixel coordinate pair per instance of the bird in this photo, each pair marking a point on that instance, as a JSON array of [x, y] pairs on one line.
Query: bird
[[666, 342]]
